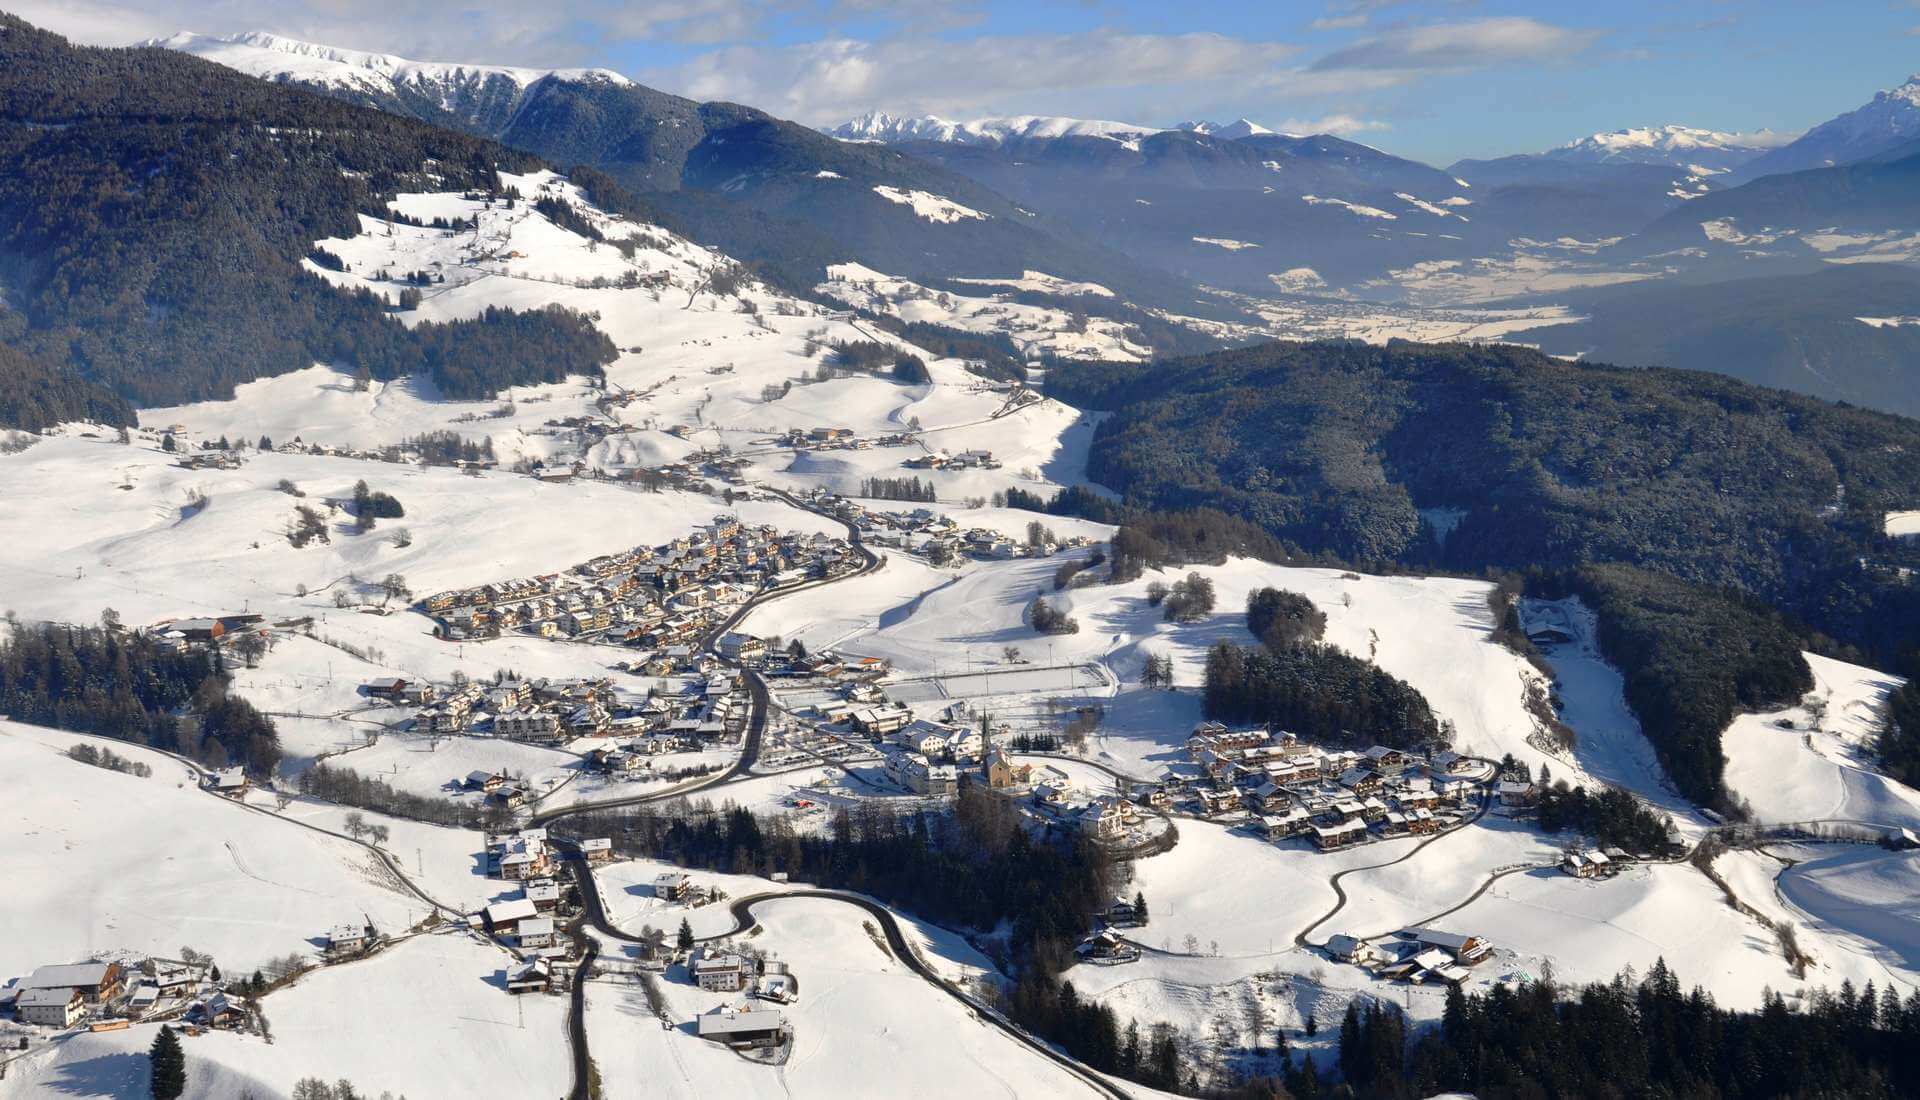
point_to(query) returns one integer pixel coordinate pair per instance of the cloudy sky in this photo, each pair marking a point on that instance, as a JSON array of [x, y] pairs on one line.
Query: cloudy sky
[[1436, 80]]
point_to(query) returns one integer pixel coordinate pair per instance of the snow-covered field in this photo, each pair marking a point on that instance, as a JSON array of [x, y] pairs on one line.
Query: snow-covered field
[[1432, 632], [1812, 762], [862, 1018], [99, 861]]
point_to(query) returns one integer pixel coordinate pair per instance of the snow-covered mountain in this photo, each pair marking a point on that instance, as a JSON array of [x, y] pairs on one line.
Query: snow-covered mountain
[[1227, 131], [1679, 146], [274, 57], [1890, 119], [878, 126]]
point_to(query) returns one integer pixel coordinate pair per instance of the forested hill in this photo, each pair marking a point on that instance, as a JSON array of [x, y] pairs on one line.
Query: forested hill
[[154, 209], [1339, 448]]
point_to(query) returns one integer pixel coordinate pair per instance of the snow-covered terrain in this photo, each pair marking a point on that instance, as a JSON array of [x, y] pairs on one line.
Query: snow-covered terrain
[[882, 127], [276, 57], [934, 208], [1813, 762]]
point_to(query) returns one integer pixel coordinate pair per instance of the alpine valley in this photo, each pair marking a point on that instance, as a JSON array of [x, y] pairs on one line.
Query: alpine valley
[[900, 605]]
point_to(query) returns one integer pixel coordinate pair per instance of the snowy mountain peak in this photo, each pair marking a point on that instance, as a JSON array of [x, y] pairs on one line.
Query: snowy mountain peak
[[878, 126], [1228, 131], [1670, 144], [277, 57]]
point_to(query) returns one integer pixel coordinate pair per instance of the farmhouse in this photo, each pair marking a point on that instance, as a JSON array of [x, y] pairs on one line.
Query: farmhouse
[[597, 849], [96, 982], [1467, 950], [51, 1007], [672, 885], [504, 917]]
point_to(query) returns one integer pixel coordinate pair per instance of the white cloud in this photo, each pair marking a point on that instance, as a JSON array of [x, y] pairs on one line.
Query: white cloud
[[831, 79], [1438, 47]]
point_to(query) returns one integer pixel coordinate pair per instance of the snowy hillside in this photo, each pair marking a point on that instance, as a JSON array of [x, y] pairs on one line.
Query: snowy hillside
[[1890, 118]]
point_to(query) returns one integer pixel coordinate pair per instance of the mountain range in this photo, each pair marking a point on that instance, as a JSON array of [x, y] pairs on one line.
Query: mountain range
[[781, 196]]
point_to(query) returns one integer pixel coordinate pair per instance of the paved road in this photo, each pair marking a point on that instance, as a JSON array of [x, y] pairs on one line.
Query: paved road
[[577, 1015], [1340, 892]]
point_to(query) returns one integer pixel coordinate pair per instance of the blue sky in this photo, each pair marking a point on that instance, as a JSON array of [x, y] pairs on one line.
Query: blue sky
[[1435, 80]]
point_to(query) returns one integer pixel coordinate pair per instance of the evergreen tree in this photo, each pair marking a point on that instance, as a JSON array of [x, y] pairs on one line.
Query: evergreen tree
[[167, 1065], [685, 937]]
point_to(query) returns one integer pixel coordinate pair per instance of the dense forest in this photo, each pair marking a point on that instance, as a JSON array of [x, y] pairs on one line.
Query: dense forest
[[1610, 1041], [1338, 447], [1690, 659], [35, 396], [114, 683], [1319, 691], [154, 210]]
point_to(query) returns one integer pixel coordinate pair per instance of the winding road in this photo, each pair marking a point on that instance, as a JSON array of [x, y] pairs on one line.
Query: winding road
[[741, 909]]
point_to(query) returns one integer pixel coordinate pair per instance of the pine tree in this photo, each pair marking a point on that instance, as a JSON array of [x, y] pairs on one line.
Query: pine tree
[[1140, 906], [168, 1064], [685, 937], [167, 444]]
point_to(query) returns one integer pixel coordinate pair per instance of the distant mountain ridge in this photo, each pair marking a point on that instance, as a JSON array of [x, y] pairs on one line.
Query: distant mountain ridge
[[1680, 146], [879, 126], [760, 188], [1891, 118]]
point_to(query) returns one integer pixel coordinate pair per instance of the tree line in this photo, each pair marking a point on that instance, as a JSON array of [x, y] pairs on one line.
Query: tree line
[[128, 686]]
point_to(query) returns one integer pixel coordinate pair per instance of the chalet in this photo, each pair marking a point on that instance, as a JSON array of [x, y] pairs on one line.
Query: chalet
[[1351, 949], [1281, 826], [1516, 794], [231, 782], [672, 886], [1218, 802], [511, 797], [721, 971], [484, 781], [1106, 946], [219, 1010], [1587, 863], [346, 939], [1329, 837], [741, 1027], [51, 1007], [598, 849], [1466, 950], [386, 687], [535, 932], [1388, 761], [532, 976]]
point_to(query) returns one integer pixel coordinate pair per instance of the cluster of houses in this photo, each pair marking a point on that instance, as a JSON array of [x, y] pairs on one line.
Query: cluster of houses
[[711, 707], [965, 460], [1335, 799], [653, 598], [935, 535], [1419, 956], [111, 992]]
